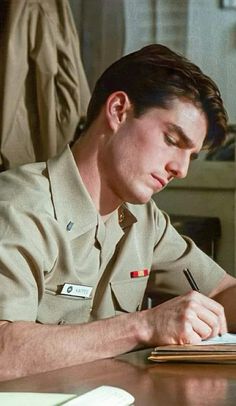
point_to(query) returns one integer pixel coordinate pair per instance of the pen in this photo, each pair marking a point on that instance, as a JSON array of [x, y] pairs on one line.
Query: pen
[[190, 279], [193, 283]]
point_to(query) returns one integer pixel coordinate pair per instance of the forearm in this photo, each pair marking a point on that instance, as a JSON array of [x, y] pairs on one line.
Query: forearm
[[27, 347]]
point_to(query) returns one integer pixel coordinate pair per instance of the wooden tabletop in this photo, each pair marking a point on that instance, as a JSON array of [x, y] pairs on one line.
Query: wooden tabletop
[[150, 383]]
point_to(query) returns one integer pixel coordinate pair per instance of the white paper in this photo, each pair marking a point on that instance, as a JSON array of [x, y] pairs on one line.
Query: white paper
[[33, 399], [103, 396], [226, 338]]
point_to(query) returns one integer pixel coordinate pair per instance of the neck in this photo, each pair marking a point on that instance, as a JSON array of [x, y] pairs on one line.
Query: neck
[[86, 153]]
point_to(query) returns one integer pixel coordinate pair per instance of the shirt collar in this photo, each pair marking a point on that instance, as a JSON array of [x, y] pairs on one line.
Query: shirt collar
[[74, 208]]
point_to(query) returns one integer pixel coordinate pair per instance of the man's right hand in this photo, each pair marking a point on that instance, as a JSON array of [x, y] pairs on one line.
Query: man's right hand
[[186, 319]]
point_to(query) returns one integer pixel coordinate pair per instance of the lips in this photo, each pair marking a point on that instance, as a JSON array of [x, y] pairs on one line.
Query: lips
[[159, 180]]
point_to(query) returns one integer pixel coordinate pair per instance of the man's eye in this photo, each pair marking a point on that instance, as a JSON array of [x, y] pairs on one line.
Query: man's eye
[[170, 139], [194, 156]]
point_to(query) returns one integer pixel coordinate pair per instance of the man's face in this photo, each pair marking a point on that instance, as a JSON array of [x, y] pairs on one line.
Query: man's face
[[145, 153]]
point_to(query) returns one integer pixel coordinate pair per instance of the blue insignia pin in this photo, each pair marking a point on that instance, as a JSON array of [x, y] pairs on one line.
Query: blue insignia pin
[[69, 226]]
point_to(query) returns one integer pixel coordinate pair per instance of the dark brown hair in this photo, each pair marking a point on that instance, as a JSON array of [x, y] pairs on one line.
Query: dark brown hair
[[155, 75]]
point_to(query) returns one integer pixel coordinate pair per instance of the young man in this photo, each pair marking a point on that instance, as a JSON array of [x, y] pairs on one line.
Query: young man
[[80, 233]]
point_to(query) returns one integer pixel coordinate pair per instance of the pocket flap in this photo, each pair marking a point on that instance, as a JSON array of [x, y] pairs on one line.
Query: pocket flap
[[60, 309], [128, 294]]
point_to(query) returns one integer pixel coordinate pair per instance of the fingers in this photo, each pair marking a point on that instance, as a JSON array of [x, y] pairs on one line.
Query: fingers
[[205, 316], [212, 313], [213, 320], [207, 328], [185, 319]]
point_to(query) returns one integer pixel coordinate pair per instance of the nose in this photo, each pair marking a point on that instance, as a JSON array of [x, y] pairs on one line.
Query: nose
[[178, 168]]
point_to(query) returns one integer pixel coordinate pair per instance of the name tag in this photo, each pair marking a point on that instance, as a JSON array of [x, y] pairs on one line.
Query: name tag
[[71, 289]]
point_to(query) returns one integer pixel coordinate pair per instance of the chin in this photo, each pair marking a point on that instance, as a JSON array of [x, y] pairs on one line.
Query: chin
[[140, 199], [137, 193]]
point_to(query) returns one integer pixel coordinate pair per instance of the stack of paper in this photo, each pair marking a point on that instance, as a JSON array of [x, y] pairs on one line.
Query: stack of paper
[[220, 349]]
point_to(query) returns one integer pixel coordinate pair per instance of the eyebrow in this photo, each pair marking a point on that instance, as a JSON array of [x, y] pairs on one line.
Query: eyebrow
[[184, 138], [176, 128]]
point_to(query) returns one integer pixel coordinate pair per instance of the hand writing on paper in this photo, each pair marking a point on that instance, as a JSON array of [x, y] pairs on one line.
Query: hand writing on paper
[[185, 319]]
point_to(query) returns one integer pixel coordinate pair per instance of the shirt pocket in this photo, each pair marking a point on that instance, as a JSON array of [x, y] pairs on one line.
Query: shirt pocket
[[61, 309], [127, 295]]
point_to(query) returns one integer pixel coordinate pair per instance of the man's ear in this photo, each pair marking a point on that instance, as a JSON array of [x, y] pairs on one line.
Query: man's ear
[[117, 107]]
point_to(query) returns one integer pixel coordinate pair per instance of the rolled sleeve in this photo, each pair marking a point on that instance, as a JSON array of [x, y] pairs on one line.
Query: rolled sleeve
[[173, 253], [21, 264]]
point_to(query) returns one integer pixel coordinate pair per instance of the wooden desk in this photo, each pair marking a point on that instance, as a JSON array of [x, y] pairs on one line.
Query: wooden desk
[[151, 384]]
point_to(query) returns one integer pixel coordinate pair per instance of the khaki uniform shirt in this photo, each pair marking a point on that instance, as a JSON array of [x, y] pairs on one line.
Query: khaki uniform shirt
[[43, 88], [51, 234]]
